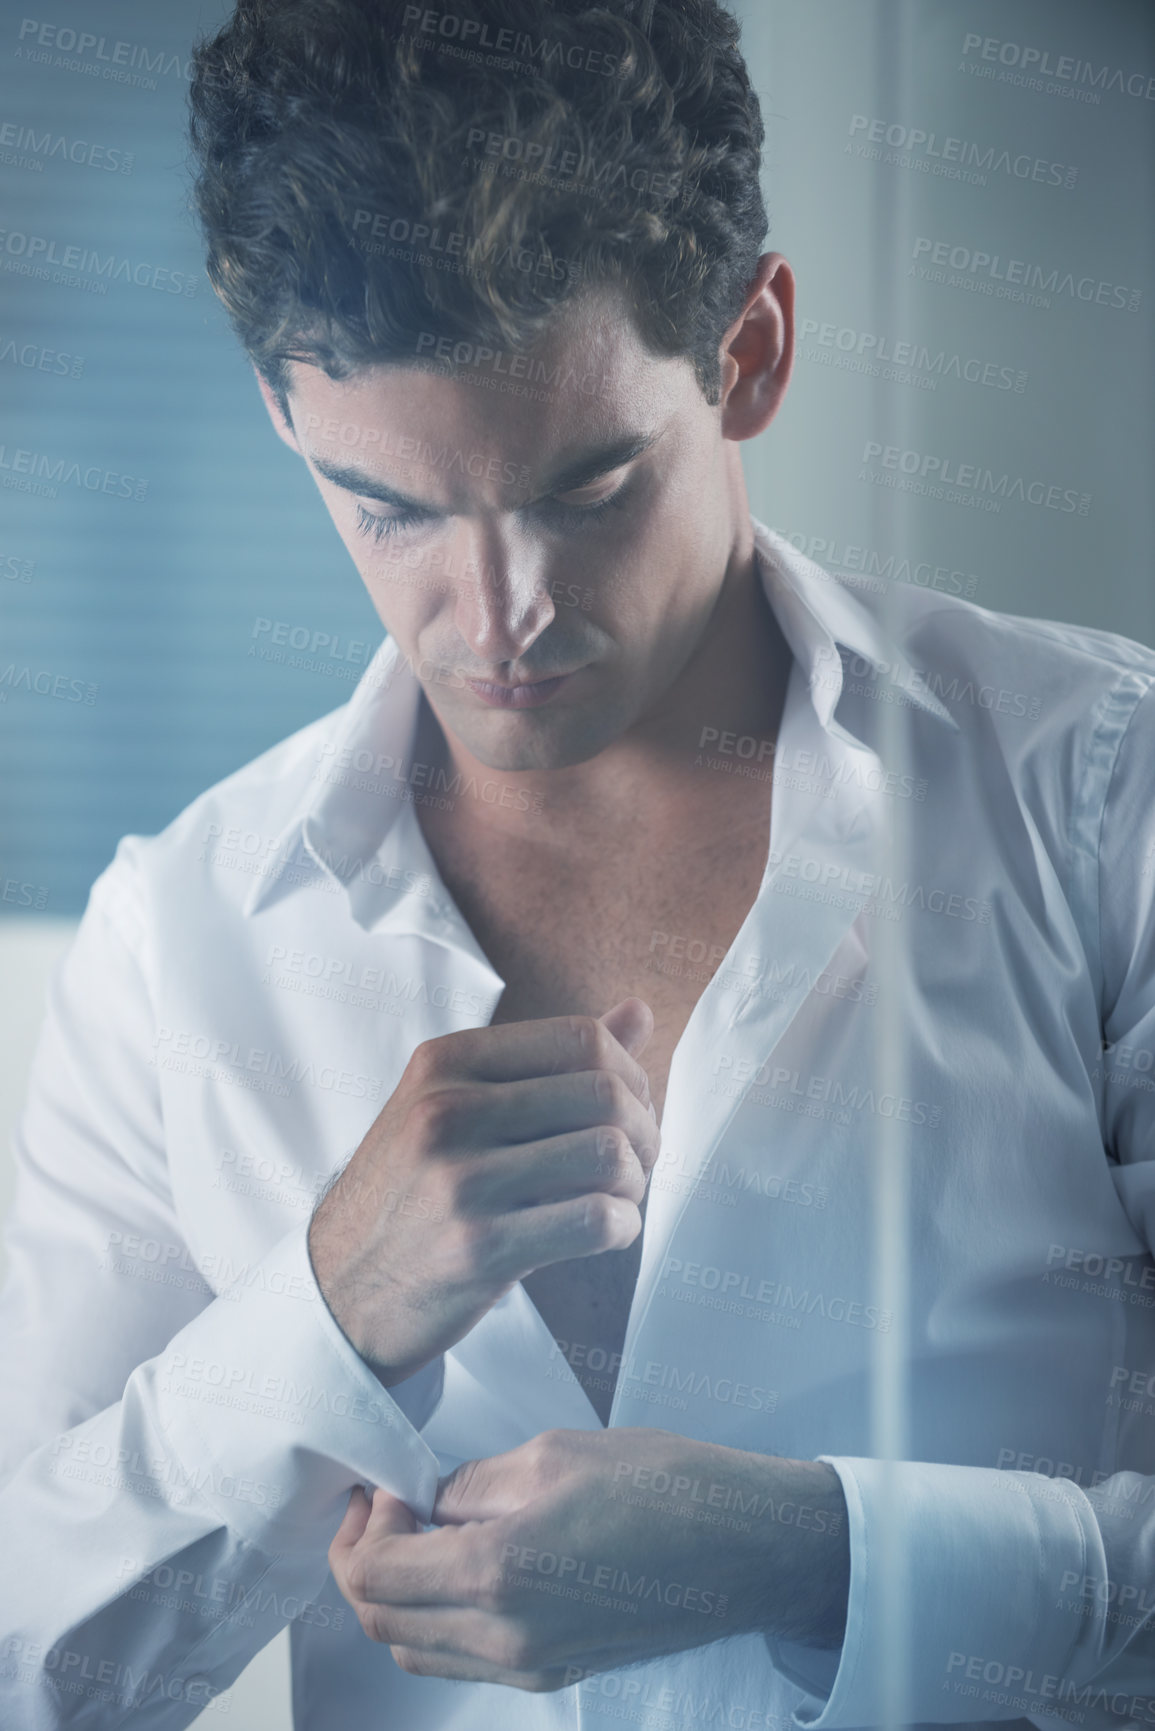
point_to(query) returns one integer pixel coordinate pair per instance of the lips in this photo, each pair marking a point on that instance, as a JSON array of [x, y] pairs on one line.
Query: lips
[[526, 694], [519, 684]]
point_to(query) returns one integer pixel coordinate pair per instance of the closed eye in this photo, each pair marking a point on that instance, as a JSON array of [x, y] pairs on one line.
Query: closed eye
[[380, 528], [570, 516], [554, 512]]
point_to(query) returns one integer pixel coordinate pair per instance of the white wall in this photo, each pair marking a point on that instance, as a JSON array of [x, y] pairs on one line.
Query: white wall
[[1056, 190]]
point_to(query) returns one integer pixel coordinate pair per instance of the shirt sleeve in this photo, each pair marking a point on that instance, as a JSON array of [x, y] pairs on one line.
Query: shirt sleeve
[[173, 1464], [1027, 1596]]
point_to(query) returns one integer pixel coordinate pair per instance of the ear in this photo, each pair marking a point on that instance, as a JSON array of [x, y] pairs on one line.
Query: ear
[[282, 427], [757, 352]]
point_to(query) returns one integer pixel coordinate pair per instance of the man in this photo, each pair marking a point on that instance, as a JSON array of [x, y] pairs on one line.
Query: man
[[451, 1151]]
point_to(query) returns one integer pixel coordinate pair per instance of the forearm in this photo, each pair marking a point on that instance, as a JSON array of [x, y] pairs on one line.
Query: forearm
[[796, 1565], [783, 1524], [768, 1533]]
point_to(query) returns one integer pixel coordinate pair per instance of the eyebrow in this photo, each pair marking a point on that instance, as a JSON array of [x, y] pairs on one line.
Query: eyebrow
[[578, 471]]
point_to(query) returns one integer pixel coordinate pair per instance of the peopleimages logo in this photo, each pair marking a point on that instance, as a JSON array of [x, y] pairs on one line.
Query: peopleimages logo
[[37, 251], [1017, 278], [46, 684], [878, 886], [67, 47], [866, 567], [37, 471], [1043, 1693], [951, 480], [873, 352], [1039, 63], [914, 147], [474, 39]]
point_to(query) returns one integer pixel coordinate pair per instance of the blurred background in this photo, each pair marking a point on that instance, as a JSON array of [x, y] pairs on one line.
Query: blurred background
[[965, 191]]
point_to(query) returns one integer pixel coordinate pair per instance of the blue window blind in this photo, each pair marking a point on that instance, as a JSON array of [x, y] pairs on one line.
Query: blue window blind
[[155, 535]]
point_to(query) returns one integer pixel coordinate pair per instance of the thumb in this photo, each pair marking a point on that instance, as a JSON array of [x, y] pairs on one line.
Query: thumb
[[351, 1528], [631, 1023], [479, 1490], [389, 1516], [377, 1518]]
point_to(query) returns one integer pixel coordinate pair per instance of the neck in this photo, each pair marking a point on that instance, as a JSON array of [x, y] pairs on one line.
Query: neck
[[733, 683]]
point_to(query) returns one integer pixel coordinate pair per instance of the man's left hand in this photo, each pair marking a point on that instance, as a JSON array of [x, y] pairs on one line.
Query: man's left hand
[[582, 1551]]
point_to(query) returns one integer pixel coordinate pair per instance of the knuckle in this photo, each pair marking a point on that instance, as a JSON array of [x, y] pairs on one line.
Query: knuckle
[[435, 1118], [476, 1243], [494, 1590], [618, 1161], [611, 1092], [538, 1457], [470, 1187], [543, 1682], [585, 1032], [367, 1617], [426, 1059], [546, 1446], [613, 1145], [601, 1218], [357, 1584], [516, 1649], [549, 1456], [601, 1044]]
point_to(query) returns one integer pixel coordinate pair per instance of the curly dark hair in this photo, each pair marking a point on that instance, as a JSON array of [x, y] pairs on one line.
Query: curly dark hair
[[368, 170]]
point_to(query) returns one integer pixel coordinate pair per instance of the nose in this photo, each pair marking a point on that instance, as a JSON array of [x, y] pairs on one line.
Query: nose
[[503, 605]]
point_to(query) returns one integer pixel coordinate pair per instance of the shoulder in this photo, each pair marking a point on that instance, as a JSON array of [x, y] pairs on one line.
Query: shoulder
[[1071, 681]]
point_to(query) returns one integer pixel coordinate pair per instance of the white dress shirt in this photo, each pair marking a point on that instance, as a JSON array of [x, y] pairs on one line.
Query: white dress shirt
[[185, 1420]]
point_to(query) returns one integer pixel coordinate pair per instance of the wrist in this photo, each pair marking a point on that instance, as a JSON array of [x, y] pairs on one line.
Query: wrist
[[344, 1294], [790, 1550]]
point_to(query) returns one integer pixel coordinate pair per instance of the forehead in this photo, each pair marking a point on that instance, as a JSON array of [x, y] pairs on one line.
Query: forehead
[[586, 376]]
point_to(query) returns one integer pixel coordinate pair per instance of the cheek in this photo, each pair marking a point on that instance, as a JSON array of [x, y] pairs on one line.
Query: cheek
[[648, 574], [619, 565], [407, 584]]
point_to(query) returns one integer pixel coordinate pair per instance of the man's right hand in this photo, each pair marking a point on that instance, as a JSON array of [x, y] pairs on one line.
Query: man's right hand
[[502, 1149]]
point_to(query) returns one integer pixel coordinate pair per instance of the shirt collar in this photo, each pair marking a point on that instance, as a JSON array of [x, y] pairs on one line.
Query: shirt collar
[[817, 615], [352, 824], [343, 824]]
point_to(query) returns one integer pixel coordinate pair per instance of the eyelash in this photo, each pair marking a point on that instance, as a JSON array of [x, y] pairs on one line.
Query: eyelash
[[562, 516]]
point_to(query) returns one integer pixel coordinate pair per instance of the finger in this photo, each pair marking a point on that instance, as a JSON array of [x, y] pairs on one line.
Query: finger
[[420, 1663], [353, 1524], [484, 1489], [365, 1523], [455, 1631], [540, 1107], [395, 1568], [631, 1023], [552, 1169], [479, 1490], [545, 1046], [529, 1238], [388, 1517]]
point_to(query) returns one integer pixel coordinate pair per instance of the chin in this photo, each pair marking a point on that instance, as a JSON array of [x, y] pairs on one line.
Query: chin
[[554, 743]]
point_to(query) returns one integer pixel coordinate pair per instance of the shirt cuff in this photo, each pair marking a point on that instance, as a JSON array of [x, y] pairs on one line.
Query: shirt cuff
[[274, 1417], [985, 1553]]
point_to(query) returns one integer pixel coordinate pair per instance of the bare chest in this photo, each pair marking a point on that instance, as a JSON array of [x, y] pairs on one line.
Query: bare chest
[[573, 939], [570, 935]]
